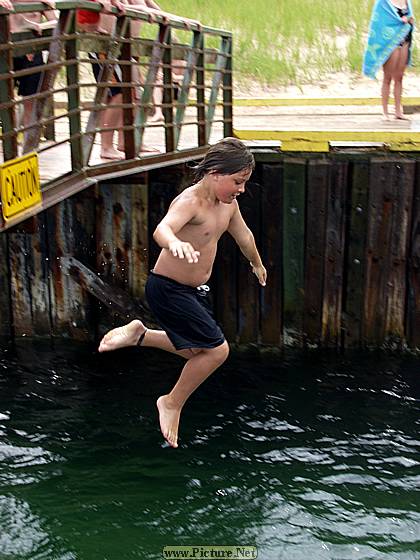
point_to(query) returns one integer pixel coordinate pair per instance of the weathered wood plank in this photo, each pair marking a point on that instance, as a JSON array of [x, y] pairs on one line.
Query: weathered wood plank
[[317, 191], [104, 247], [413, 277], [294, 195], [121, 234], [356, 263], [271, 251], [38, 272], [334, 255], [5, 295], [225, 278], [139, 262], [161, 195], [377, 248], [20, 286], [248, 286], [403, 183], [68, 301]]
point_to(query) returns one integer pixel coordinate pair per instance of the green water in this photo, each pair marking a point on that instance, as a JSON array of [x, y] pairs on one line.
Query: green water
[[305, 456]]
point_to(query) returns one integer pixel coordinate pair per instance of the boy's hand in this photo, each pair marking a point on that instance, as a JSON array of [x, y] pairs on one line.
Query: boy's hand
[[260, 272], [183, 249]]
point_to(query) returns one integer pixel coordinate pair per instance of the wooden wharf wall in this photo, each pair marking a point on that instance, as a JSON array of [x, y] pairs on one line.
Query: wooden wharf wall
[[339, 235]]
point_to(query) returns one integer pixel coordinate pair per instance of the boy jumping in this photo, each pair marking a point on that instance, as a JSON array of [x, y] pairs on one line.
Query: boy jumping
[[188, 235]]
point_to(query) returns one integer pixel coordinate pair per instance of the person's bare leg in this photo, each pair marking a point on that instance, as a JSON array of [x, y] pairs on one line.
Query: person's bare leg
[[112, 119], [28, 106], [400, 66], [129, 335], [388, 69], [157, 97], [195, 371]]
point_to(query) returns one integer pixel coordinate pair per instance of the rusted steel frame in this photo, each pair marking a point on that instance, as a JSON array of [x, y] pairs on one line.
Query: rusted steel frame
[[47, 121], [7, 91], [128, 95], [221, 62], [147, 94], [185, 87], [12, 103], [201, 92], [46, 67], [59, 143], [168, 95], [32, 136], [64, 187], [73, 99], [28, 44], [228, 92]]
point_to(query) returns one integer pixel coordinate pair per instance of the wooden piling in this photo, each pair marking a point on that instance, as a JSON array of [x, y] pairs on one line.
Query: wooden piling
[[339, 235]]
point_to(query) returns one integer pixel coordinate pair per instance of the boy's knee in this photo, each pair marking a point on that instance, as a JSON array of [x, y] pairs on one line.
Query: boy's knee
[[222, 351]]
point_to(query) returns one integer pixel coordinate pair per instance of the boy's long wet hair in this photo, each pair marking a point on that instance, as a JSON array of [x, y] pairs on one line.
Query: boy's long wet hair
[[227, 157]]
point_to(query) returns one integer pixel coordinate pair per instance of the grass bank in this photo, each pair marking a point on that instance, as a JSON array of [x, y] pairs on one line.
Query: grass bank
[[283, 42]]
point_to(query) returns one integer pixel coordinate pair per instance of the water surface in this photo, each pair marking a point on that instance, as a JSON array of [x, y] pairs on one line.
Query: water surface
[[306, 456]]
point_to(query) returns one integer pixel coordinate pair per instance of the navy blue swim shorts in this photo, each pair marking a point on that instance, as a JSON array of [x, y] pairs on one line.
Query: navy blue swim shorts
[[183, 312]]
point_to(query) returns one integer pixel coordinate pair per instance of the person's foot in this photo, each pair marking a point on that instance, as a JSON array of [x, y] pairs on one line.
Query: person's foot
[[148, 150], [169, 420], [156, 117], [112, 153], [128, 335], [386, 117], [401, 117]]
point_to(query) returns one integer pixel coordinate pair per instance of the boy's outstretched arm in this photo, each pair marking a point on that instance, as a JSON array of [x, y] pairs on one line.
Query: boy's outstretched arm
[[179, 214], [246, 242]]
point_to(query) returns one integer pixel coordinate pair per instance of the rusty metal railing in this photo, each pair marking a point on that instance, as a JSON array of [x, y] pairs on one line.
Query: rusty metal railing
[[189, 64]]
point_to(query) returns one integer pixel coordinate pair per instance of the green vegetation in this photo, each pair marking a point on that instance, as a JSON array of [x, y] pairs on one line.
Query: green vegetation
[[283, 42]]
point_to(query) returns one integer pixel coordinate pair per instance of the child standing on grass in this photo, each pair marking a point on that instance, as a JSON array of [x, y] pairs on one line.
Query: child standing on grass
[[188, 236], [389, 45]]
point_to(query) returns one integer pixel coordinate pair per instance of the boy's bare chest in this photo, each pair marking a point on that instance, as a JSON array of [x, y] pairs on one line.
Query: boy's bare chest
[[210, 224]]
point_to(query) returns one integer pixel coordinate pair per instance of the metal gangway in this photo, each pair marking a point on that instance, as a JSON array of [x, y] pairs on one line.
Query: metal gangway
[[190, 62]]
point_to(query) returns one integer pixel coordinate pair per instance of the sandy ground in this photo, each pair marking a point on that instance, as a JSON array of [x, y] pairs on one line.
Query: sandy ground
[[338, 85]]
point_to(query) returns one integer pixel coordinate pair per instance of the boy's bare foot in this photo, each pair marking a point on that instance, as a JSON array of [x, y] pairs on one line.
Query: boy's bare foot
[[128, 335], [386, 117], [169, 420], [111, 153], [401, 117]]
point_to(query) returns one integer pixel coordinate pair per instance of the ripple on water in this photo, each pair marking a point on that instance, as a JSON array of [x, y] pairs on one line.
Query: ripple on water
[[305, 460]]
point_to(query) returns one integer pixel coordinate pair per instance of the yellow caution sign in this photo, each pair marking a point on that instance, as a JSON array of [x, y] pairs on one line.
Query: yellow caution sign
[[19, 185]]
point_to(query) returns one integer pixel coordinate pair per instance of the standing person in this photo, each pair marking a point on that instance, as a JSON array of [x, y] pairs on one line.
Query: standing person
[[28, 84], [175, 289], [389, 45], [111, 117]]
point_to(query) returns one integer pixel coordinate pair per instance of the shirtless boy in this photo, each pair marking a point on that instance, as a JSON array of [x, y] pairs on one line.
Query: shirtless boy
[[188, 235]]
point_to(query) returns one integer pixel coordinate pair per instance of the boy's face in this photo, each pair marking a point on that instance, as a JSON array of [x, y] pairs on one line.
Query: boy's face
[[228, 187]]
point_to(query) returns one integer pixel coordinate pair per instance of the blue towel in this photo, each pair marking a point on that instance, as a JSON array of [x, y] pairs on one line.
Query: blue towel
[[386, 32]]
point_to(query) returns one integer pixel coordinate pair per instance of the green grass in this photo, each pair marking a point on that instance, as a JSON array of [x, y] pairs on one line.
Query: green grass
[[284, 42]]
